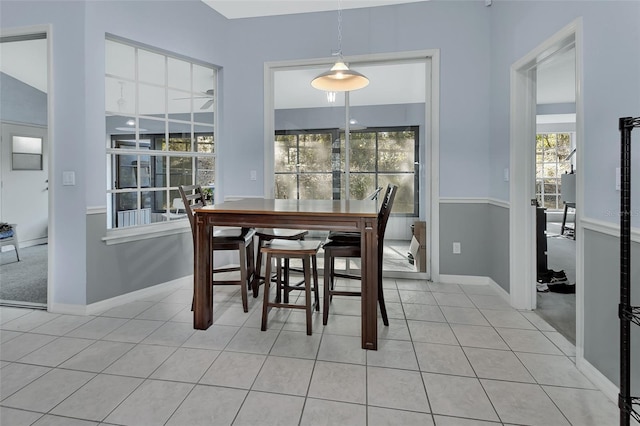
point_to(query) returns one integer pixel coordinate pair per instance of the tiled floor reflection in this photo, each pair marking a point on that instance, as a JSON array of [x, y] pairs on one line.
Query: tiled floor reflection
[[452, 355]]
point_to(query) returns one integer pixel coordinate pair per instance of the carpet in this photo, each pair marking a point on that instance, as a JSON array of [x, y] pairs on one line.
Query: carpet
[[24, 281]]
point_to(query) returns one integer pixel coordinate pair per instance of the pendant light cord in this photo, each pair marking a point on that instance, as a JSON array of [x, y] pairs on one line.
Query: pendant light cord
[[340, 29]]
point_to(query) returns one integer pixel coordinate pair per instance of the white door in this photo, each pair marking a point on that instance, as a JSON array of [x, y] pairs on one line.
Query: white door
[[24, 198]]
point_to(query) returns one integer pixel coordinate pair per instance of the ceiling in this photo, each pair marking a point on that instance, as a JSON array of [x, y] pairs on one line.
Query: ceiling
[[235, 9]]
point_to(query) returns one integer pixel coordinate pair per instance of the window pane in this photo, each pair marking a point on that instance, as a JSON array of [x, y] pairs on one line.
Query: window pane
[[405, 197], [286, 153], [206, 171], [204, 140], [396, 151], [550, 201], [120, 60], [179, 74], [180, 105], [26, 162], [315, 153], [361, 185], [286, 187], [203, 78], [152, 101], [315, 186], [362, 155], [180, 137], [180, 171], [150, 128], [120, 96], [151, 67], [27, 145]]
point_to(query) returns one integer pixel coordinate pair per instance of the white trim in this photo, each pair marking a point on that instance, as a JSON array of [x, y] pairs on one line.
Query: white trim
[[104, 305], [464, 279], [96, 210], [607, 387], [475, 280], [463, 200], [145, 232], [499, 203], [522, 162], [608, 228], [579, 229], [433, 117], [475, 200], [51, 260]]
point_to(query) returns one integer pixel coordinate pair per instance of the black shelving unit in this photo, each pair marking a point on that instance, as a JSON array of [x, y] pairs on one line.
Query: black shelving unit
[[628, 314]]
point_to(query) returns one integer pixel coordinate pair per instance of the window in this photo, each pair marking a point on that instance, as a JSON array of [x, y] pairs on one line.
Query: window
[[553, 158], [160, 111], [310, 164], [26, 153]]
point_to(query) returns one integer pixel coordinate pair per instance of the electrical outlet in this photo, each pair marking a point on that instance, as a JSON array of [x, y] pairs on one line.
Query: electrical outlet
[[253, 175], [456, 248]]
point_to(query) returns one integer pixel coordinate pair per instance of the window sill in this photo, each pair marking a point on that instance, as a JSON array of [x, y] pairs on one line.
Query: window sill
[[145, 232]]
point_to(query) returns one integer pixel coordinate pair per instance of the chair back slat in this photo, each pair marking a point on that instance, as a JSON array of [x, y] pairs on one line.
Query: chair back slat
[[385, 209], [192, 198]]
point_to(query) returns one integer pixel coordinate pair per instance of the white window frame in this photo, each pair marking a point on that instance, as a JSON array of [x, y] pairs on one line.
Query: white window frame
[[557, 178], [165, 121]]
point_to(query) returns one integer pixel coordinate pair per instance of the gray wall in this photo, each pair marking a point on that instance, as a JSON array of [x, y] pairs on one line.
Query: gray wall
[[111, 272], [465, 223], [482, 229], [498, 245], [601, 298], [21, 103]]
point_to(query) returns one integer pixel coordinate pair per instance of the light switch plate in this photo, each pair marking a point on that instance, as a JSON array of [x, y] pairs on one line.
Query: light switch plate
[[68, 178]]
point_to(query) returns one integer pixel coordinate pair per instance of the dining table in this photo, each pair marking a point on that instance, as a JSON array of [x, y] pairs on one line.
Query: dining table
[[335, 215]]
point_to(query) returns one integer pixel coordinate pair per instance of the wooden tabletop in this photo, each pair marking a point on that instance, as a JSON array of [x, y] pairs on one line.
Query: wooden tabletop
[[359, 208]]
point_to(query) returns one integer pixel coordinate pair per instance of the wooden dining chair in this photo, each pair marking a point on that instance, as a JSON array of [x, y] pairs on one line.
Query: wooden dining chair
[[265, 235], [280, 250], [224, 239], [348, 246]]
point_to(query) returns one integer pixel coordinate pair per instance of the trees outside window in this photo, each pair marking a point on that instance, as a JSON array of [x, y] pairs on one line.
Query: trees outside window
[[552, 152], [311, 164]]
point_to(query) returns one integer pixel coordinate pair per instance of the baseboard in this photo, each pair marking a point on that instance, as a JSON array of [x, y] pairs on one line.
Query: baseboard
[[501, 291], [605, 385], [476, 280], [103, 305], [464, 279]]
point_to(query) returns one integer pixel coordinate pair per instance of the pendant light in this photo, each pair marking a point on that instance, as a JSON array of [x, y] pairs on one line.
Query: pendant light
[[340, 78]]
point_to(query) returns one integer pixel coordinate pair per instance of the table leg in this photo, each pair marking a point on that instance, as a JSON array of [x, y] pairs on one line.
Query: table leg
[[202, 275], [369, 270]]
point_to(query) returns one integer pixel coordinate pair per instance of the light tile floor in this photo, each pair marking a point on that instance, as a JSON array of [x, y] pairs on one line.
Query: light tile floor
[[452, 355]]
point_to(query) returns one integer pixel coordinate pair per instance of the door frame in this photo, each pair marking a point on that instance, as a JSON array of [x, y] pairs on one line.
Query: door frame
[[522, 261], [430, 202], [25, 31]]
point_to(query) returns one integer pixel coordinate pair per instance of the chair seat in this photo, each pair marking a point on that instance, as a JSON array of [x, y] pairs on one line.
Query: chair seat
[[281, 233], [291, 248], [344, 237], [233, 234]]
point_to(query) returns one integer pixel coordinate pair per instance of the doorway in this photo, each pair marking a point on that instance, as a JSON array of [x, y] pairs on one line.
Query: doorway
[[524, 200], [24, 168], [365, 119]]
